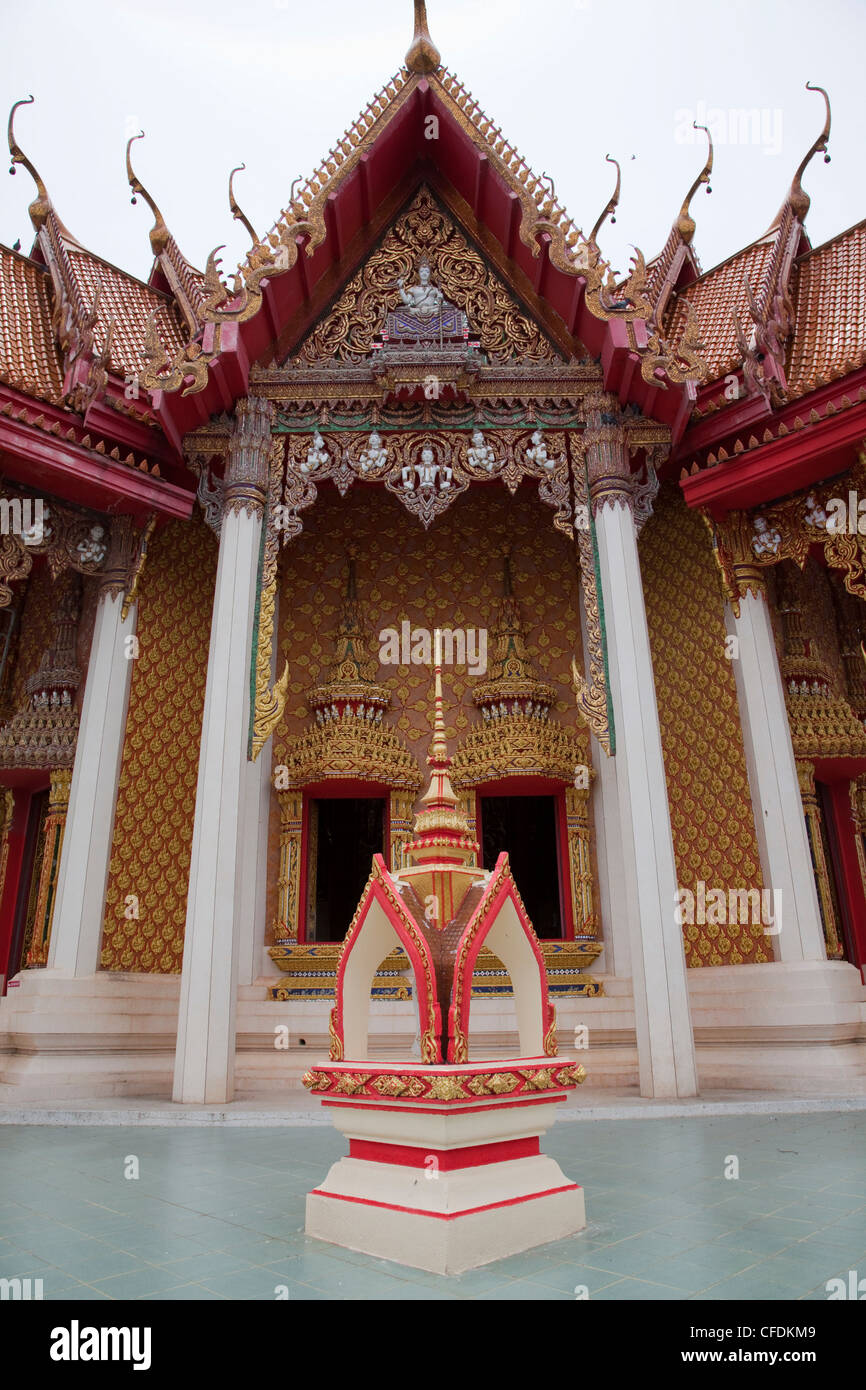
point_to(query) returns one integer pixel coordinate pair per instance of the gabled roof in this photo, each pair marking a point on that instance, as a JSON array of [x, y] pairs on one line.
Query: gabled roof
[[125, 304], [713, 298], [422, 127], [29, 356], [829, 292]]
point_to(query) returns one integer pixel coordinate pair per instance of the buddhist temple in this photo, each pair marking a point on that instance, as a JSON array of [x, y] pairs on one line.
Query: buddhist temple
[[427, 461]]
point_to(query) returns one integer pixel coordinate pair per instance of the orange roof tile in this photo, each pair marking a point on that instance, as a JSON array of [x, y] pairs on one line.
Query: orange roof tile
[[713, 297], [829, 293], [129, 303], [29, 356]]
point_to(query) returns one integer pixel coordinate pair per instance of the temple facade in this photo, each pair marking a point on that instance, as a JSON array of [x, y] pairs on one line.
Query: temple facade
[[243, 519]]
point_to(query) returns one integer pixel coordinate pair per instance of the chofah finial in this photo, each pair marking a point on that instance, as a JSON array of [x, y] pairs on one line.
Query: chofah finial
[[685, 223], [423, 55]]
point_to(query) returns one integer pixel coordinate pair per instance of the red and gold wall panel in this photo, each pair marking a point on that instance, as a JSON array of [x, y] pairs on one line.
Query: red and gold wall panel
[[35, 632], [449, 576], [708, 785], [156, 800]]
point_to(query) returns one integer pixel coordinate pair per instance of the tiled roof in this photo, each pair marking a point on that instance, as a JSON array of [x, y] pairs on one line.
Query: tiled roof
[[29, 356], [130, 303], [829, 293], [713, 297]]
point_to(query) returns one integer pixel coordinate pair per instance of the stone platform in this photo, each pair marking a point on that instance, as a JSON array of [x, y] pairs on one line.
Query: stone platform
[[445, 1170]]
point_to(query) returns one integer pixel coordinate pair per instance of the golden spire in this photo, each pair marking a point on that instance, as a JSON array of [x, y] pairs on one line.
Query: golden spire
[[423, 55], [611, 205], [41, 206], [438, 747], [685, 223], [237, 212], [441, 829], [159, 233], [798, 197]]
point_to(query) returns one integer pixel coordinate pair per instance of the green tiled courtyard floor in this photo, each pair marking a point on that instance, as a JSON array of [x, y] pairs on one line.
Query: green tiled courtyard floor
[[217, 1213]]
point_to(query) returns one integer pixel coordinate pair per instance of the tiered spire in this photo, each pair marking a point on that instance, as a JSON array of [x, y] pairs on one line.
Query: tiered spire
[[511, 686], [441, 829], [351, 689], [44, 731]]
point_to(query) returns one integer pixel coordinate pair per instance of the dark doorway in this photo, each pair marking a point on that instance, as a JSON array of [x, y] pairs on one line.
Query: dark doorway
[[28, 883], [838, 906], [344, 836], [525, 827]]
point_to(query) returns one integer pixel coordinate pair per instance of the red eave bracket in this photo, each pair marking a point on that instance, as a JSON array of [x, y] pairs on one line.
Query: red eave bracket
[[66, 471], [798, 460]]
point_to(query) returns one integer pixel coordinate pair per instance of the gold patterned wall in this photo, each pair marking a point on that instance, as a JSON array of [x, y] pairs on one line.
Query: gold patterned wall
[[449, 576], [35, 632], [708, 785], [156, 800]]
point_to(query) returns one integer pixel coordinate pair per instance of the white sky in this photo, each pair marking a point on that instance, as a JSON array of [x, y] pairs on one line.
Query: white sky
[[214, 84]]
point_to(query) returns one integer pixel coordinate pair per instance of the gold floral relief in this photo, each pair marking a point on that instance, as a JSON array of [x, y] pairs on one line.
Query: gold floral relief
[[505, 332], [36, 631], [708, 786], [153, 825]]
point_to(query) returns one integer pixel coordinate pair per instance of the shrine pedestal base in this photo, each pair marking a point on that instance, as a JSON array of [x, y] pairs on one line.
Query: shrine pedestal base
[[444, 1171]]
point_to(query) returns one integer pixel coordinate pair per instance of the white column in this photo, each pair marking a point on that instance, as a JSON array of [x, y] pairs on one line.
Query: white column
[[76, 937], [254, 854], [609, 852], [786, 863], [205, 1057], [254, 866], [666, 1055]]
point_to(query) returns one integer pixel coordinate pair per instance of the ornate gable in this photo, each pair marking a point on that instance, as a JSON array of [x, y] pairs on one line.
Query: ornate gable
[[425, 231]]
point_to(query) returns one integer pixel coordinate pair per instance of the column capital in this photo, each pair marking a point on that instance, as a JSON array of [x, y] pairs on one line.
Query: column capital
[[607, 455], [114, 577], [246, 470], [732, 546]]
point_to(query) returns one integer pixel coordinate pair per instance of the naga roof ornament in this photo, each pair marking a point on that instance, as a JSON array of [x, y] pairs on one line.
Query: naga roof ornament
[[159, 233], [798, 199], [42, 206], [236, 210], [685, 223], [610, 206]]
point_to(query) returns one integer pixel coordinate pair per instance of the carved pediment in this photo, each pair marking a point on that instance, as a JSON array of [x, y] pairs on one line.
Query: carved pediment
[[471, 295]]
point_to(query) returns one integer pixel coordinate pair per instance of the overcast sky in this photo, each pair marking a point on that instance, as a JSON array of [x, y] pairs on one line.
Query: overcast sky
[[218, 83]]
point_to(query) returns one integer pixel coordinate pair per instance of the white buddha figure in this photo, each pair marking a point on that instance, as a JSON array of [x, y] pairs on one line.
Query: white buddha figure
[[93, 550], [424, 299], [765, 541], [317, 455], [537, 454], [480, 454], [374, 456]]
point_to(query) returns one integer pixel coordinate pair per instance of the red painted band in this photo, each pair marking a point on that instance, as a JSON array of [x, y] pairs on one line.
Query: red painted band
[[473, 1156], [448, 1215]]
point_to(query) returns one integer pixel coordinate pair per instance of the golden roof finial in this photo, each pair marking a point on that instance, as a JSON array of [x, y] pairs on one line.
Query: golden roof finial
[[611, 205], [798, 197], [685, 223], [237, 212], [40, 206], [423, 55], [159, 233]]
